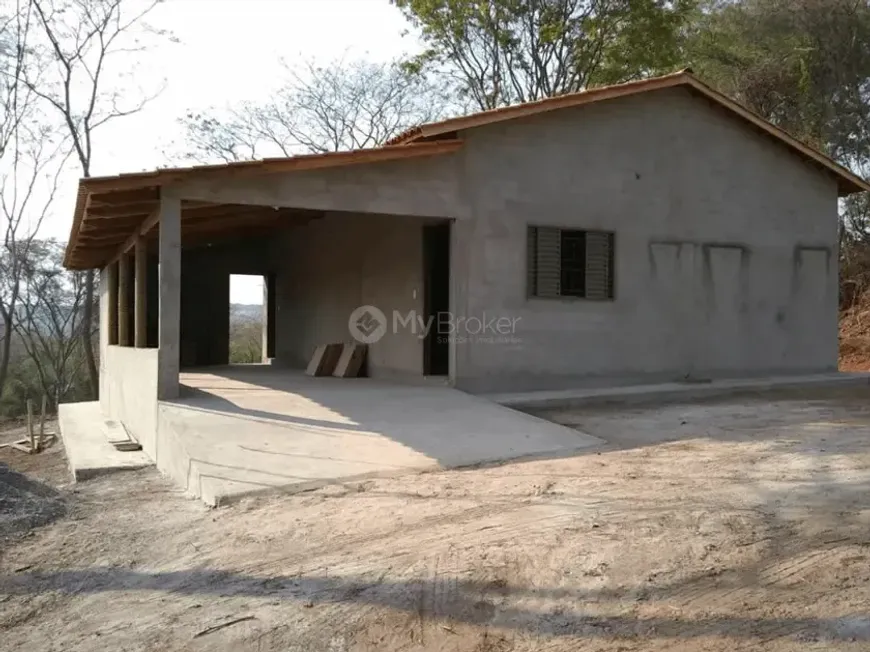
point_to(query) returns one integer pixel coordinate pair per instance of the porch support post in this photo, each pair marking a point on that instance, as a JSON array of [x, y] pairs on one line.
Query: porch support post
[[112, 316], [124, 300], [169, 282], [140, 327]]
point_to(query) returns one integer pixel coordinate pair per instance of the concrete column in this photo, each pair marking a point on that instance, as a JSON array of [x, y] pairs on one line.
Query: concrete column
[[112, 317], [461, 234], [124, 269], [169, 282], [105, 309], [140, 326]]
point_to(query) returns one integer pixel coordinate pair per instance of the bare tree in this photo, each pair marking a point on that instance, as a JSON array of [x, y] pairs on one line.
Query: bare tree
[[340, 106], [29, 164], [29, 171], [79, 40], [16, 99], [50, 319]]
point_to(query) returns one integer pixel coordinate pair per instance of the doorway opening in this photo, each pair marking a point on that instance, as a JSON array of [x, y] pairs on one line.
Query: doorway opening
[[436, 298], [247, 319]]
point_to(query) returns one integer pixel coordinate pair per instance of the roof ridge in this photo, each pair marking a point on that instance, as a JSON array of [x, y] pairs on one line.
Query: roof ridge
[[405, 138]]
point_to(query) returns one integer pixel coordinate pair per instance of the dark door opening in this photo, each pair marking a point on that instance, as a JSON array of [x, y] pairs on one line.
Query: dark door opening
[[436, 298]]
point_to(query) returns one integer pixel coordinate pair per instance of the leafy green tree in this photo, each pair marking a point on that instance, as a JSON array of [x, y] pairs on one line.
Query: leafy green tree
[[803, 64], [499, 52], [246, 336]]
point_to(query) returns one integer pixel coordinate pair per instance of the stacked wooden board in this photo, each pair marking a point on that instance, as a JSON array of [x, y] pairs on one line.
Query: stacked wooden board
[[339, 360]]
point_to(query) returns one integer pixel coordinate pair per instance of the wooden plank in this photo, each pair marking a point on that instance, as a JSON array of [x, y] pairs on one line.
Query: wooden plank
[[42, 421], [143, 229], [112, 325], [120, 226], [140, 326], [124, 293], [110, 186], [350, 362], [105, 198], [323, 361], [114, 211], [31, 434]]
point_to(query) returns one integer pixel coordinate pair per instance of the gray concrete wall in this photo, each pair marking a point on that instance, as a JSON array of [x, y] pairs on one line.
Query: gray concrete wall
[[425, 187], [330, 267], [726, 260], [128, 382], [104, 339], [205, 296]]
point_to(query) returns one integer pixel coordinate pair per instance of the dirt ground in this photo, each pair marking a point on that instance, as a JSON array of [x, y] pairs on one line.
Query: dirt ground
[[738, 524]]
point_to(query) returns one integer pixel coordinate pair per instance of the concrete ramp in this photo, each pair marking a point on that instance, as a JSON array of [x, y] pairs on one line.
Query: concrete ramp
[[253, 429], [87, 438]]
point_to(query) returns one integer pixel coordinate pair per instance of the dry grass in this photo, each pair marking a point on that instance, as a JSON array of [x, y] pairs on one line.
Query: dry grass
[[855, 336]]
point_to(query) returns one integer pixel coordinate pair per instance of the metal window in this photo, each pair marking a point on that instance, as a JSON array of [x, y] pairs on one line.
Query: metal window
[[570, 263]]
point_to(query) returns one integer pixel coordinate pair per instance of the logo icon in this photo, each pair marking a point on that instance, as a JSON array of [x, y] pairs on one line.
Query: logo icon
[[367, 324]]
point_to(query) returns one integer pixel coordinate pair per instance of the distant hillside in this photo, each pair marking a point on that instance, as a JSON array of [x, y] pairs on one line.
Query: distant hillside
[[246, 312]]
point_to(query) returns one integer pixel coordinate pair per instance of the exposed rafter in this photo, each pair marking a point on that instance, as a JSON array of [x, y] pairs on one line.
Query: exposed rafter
[[111, 211]]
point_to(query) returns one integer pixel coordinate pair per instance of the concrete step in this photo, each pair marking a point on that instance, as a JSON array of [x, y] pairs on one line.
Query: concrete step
[[88, 451]]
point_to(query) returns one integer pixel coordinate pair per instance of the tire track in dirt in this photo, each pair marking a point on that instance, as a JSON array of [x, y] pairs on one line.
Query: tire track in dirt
[[753, 583], [429, 583]]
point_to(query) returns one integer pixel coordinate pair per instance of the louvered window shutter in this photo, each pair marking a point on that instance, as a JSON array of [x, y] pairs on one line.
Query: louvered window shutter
[[532, 261], [547, 242], [599, 272]]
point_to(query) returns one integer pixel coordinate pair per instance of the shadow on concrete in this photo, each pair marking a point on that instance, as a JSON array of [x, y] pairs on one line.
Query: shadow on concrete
[[198, 398], [451, 428]]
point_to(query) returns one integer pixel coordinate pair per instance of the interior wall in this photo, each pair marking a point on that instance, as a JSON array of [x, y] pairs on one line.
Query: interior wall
[[332, 266], [205, 297]]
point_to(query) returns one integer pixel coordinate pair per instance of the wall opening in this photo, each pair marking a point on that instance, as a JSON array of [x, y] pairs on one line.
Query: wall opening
[[248, 319], [436, 298]]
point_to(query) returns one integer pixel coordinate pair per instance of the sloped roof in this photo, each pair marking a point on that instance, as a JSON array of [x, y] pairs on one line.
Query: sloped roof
[[847, 182], [111, 211]]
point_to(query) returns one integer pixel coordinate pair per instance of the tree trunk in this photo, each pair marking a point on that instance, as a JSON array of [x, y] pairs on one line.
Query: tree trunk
[[87, 322], [7, 347]]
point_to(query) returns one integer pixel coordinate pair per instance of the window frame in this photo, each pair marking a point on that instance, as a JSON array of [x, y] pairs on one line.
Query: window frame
[[532, 230]]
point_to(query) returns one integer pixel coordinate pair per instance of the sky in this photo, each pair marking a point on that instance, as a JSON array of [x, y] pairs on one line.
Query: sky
[[229, 51]]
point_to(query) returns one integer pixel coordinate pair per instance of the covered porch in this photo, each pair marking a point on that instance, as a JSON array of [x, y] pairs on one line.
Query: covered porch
[[328, 233]]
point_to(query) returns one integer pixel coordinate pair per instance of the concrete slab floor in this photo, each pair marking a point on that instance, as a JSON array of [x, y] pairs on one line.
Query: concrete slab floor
[[88, 450], [238, 430]]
